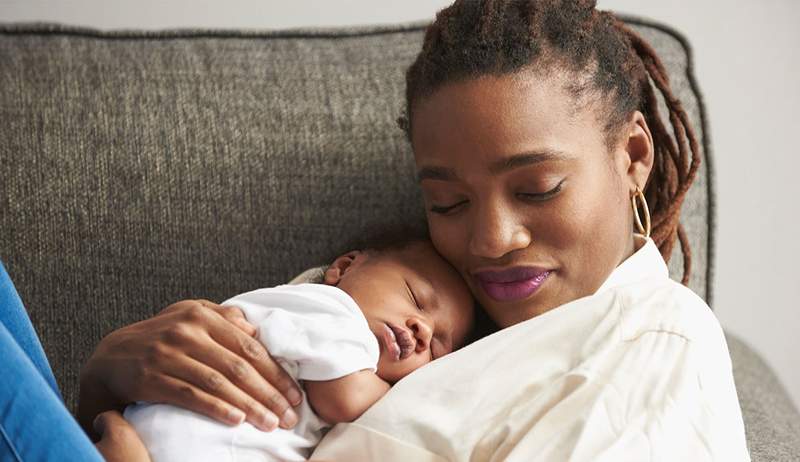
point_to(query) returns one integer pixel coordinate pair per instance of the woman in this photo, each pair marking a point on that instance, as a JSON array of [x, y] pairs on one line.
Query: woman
[[534, 130], [534, 126]]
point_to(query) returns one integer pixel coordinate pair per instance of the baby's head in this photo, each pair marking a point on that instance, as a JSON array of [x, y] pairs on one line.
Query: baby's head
[[415, 303]]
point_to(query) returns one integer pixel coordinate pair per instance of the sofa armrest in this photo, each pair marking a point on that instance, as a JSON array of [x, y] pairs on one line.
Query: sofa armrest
[[771, 420]]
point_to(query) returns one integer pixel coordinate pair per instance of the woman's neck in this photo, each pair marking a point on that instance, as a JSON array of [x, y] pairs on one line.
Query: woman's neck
[[633, 245]]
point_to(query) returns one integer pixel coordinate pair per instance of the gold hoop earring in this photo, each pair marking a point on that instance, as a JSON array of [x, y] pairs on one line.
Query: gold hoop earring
[[646, 228]]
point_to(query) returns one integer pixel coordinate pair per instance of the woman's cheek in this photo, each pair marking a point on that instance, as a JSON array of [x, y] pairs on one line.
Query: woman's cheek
[[446, 234], [587, 233], [557, 224]]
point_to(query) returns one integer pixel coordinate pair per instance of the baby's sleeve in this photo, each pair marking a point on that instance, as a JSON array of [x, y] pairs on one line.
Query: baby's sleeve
[[318, 329]]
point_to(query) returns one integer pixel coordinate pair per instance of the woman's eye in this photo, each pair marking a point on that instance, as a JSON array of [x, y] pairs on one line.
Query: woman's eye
[[445, 209], [542, 196]]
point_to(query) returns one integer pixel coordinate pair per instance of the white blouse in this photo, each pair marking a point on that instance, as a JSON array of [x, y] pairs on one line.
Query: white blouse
[[638, 371]]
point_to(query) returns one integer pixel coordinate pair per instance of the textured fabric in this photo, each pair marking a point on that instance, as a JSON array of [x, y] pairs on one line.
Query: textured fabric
[[772, 422], [142, 168]]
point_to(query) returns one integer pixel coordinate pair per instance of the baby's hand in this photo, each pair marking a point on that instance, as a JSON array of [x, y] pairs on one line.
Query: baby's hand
[[119, 442]]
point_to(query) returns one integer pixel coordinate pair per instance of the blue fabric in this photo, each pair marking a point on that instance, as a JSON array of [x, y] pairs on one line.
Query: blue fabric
[[34, 424], [16, 321]]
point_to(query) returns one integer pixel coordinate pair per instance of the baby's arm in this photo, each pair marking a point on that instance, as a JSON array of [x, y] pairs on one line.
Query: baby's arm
[[346, 398]]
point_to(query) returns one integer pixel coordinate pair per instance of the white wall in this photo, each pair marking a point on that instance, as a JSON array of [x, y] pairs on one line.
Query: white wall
[[748, 69]]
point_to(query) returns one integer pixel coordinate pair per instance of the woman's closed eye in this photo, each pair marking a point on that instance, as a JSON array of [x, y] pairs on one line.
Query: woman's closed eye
[[445, 209], [532, 197], [537, 197]]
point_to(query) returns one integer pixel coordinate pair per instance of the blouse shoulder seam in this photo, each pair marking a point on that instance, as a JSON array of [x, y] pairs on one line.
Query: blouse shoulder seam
[[658, 331]]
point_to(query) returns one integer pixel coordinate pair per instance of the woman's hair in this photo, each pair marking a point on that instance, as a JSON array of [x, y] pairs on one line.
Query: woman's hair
[[606, 62]]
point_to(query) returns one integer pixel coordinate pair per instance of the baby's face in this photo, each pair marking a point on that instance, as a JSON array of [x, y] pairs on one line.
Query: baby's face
[[416, 304]]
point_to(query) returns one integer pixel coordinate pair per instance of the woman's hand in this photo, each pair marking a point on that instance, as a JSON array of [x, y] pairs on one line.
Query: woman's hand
[[119, 442], [194, 354]]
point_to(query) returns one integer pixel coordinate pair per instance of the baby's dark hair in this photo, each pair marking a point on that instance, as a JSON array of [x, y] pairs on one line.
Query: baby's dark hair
[[387, 237], [607, 62]]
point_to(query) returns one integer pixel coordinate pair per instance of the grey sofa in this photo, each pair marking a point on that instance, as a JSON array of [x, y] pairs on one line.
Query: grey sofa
[[140, 168]]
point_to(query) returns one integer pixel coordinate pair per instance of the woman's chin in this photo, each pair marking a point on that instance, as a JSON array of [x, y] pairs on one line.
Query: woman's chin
[[508, 313]]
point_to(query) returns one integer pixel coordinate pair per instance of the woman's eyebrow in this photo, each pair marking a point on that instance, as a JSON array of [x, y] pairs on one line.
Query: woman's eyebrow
[[527, 158], [435, 173], [503, 165]]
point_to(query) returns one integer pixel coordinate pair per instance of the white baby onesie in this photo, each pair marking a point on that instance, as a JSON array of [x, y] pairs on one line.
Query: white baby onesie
[[316, 332]]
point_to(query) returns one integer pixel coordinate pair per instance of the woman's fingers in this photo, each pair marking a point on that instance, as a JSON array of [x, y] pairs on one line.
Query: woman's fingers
[[212, 370], [246, 363], [182, 393], [232, 314], [279, 392], [132, 363], [241, 360], [233, 371]]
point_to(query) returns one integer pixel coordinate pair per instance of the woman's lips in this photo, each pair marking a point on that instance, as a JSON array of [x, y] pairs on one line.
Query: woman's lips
[[513, 283]]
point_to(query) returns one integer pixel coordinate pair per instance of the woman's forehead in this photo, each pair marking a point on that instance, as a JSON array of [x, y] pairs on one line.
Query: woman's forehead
[[508, 114]]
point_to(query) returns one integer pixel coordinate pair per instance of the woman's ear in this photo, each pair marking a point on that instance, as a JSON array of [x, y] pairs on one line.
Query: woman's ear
[[639, 151], [340, 266]]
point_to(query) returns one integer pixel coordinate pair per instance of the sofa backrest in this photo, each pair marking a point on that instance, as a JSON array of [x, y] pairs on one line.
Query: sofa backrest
[[142, 168]]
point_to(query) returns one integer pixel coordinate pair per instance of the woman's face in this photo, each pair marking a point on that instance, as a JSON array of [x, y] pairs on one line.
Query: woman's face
[[523, 195]]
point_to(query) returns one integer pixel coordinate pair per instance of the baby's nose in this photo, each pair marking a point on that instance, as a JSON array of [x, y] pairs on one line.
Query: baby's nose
[[422, 334]]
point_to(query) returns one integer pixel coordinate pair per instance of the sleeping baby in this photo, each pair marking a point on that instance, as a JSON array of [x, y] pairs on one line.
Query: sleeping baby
[[377, 316]]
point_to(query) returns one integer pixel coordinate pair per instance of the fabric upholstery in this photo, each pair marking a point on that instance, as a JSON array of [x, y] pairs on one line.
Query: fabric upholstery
[[772, 422], [141, 168]]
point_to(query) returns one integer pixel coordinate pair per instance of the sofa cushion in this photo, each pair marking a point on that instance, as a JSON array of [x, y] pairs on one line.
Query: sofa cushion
[[772, 422]]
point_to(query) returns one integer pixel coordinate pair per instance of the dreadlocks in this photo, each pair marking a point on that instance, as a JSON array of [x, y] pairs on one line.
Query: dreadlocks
[[474, 38]]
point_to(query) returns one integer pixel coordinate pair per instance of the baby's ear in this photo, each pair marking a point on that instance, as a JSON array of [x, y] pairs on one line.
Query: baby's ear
[[340, 266]]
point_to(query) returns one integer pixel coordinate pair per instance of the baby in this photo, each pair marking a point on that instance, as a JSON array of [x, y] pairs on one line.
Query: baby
[[377, 316]]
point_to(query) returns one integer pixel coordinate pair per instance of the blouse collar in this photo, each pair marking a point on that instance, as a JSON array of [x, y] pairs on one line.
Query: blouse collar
[[645, 263]]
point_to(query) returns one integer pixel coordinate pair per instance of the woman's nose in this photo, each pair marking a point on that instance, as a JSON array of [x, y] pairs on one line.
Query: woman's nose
[[496, 232], [422, 333]]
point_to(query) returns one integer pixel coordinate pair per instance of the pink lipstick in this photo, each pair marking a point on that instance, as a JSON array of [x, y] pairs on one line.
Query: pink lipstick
[[513, 283]]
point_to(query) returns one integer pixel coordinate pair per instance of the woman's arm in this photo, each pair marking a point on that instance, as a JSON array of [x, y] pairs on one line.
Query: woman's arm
[[346, 398], [194, 354]]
